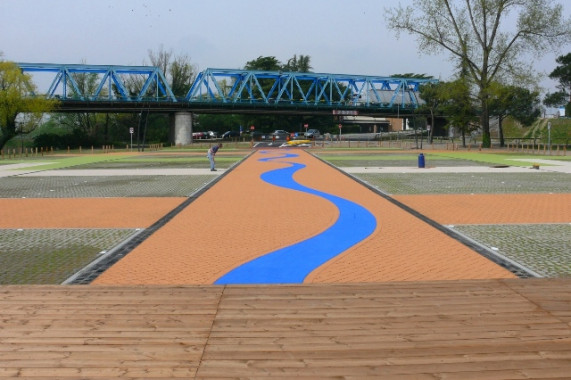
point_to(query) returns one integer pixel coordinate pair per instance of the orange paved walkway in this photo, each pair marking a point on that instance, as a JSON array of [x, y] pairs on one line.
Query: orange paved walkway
[[241, 217], [491, 208], [84, 212]]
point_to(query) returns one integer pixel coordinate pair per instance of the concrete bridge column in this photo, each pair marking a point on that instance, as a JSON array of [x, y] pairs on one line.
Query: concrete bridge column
[[182, 128]]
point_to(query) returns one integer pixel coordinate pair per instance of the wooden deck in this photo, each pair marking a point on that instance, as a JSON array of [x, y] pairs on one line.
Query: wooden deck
[[478, 329]]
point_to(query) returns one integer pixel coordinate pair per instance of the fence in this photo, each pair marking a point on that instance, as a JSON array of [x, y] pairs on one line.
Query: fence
[[20, 153]]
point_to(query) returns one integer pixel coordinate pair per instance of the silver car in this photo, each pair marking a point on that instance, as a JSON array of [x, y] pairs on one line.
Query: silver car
[[280, 134], [312, 133]]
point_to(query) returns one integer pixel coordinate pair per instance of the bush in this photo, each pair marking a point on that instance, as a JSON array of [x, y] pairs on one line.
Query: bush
[[73, 140]]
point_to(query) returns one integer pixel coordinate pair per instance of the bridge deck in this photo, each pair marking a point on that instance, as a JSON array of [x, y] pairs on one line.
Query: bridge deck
[[475, 329]]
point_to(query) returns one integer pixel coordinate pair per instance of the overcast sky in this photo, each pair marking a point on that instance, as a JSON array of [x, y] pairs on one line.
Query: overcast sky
[[340, 36]]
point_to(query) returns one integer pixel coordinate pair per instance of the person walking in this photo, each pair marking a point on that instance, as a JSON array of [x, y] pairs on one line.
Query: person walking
[[211, 153]]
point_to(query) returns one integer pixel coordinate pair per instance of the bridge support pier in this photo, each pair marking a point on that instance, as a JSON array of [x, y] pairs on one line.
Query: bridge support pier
[[182, 128]]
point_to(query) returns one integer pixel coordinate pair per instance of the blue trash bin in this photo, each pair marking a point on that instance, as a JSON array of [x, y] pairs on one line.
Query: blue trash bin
[[421, 160]]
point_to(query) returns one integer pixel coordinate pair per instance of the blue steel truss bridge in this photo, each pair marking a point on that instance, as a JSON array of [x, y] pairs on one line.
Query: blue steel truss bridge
[[102, 88]]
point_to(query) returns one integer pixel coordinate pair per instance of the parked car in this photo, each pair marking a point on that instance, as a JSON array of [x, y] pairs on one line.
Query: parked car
[[198, 135], [312, 133], [280, 134], [230, 134], [212, 135]]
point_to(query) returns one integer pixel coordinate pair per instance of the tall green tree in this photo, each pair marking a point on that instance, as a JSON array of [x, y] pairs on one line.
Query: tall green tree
[[301, 64], [16, 101], [268, 63], [432, 99], [458, 106], [562, 73], [479, 33], [88, 127], [178, 70], [181, 74], [556, 99], [512, 101]]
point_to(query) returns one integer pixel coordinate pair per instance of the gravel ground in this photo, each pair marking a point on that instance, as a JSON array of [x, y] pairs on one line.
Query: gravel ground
[[50, 256], [177, 162], [544, 248], [102, 186], [401, 161], [467, 183]]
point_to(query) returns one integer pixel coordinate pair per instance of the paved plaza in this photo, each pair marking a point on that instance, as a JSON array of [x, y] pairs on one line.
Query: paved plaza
[[73, 222], [390, 271]]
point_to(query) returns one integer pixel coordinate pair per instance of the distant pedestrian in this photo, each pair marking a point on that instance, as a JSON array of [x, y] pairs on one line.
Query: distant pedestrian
[[211, 153]]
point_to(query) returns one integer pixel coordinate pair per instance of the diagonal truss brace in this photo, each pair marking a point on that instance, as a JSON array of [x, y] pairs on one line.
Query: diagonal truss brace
[[111, 82], [231, 87], [310, 89]]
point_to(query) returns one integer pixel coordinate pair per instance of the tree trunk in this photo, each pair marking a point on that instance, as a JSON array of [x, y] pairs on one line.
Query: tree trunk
[[106, 130], [4, 139], [8, 132], [501, 130], [431, 132], [485, 123]]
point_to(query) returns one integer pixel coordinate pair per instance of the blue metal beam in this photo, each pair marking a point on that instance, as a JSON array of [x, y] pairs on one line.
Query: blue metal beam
[[111, 78], [237, 87]]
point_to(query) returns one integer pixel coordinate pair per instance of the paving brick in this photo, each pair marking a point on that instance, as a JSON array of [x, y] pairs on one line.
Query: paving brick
[[242, 217]]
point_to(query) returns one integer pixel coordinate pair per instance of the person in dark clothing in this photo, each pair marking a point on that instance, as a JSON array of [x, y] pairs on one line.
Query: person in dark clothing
[[211, 153]]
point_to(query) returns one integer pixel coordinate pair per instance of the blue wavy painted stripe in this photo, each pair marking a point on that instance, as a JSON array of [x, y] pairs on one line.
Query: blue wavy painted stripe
[[292, 264]]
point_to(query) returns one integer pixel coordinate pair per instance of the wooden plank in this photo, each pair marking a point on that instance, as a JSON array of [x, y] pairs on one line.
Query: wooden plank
[[369, 367], [492, 329]]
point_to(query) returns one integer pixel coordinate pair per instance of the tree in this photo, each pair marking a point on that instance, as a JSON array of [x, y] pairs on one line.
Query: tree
[[431, 94], [269, 63], [16, 101], [178, 70], [556, 99], [561, 73], [476, 31], [300, 65], [517, 102], [181, 73], [88, 128], [458, 106]]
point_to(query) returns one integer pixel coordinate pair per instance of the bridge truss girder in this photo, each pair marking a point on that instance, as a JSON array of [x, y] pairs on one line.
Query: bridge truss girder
[[310, 89], [226, 90], [107, 83]]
